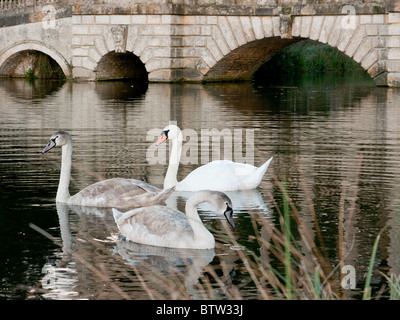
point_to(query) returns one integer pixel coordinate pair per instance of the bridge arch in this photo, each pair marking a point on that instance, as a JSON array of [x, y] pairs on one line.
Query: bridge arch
[[238, 46], [120, 65], [7, 55]]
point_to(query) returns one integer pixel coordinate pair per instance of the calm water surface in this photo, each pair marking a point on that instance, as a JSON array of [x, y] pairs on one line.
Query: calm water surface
[[341, 133]]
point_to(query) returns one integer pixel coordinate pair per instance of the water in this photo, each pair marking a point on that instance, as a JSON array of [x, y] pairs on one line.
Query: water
[[339, 135]]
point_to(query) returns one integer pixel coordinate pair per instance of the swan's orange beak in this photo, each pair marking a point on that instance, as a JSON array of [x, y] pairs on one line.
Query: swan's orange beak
[[162, 139]]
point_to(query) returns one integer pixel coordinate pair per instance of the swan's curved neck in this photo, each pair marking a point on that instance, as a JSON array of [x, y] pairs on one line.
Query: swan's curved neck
[[199, 230], [65, 175], [174, 160]]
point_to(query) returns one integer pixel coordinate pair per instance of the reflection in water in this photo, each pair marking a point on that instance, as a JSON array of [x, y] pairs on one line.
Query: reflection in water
[[61, 277], [247, 201], [169, 261], [321, 127], [122, 91], [31, 90]]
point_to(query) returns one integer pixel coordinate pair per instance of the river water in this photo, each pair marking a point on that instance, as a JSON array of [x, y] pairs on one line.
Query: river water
[[338, 135]]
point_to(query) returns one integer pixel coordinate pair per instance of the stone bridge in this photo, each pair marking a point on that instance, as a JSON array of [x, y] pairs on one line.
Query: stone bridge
[[192, 40]]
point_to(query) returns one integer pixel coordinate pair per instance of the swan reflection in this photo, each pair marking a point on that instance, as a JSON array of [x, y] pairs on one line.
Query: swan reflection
[[60, 278], [168, 261]]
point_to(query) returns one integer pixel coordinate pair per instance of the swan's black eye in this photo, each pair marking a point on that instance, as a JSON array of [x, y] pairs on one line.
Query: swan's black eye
[[165, 132]]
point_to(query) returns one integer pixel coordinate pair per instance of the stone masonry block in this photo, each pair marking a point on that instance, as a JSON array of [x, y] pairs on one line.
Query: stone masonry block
[[77, 61], [161, 30], [157, 63], [237, 27], [80, 29], [95, 29], [371, 30], [189, 20], [147, 55], [358, 37], [220, 40], [80, 51], [82, 73], [334, 36], [316, 27], [394, 17], [394, 30], [165, 19], [212, 20], [345, 37], [201, 20], [306, 26], [214, 49], [393, 79], [257, 27], [393, 66], [94, 54], [362, 50], [101, 45], [227, 32], [393, 42], [276, 26], [394, 54], [76, 40], [326, 28], [140, 46], [296, 27], [378, 18], [369, 60], [120, 19], [108, 39], [154, 19], [87, 41], [131, 37], [207, 57], [247, 28], [88, 63], [267, 26], [139, 19], [76, 19], [86, 19], [102, 19], [365, 19]]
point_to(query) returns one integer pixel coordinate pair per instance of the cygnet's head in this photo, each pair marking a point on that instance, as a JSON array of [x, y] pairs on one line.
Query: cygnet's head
[[219, 201], [58, 139]]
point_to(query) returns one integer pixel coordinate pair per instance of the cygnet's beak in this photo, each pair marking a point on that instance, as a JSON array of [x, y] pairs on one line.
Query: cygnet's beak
[[229, 216], [49, 146]]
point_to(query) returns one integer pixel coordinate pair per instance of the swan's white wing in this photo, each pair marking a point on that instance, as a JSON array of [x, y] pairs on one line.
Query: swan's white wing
[[222, 175]]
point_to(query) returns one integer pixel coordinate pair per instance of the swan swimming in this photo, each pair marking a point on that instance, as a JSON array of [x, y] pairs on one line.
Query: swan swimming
[[166, 227], [221, 175], [116, 192]]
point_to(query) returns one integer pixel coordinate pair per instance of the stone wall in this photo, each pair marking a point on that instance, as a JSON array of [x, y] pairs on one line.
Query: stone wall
[[233, 7]]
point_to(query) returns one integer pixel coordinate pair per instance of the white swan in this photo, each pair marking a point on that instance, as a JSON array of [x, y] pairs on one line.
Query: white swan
[[165, 227], [221, 175], [116, 192]]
